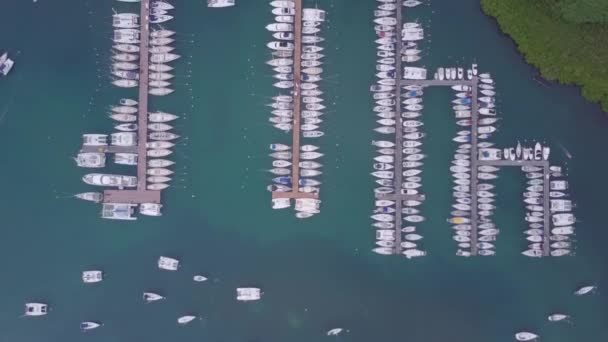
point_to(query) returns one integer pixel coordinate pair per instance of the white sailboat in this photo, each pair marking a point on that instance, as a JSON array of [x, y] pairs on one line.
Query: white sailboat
[[585, 289], [185, 319]]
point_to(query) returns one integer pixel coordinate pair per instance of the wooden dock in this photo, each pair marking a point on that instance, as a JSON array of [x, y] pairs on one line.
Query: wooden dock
[[141, 194], [398, 136], [109, 149], [295, 149], [474, 157]]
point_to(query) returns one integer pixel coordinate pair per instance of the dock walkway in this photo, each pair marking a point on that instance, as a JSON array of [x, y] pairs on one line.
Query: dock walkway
[[109, 149], [297, 73]]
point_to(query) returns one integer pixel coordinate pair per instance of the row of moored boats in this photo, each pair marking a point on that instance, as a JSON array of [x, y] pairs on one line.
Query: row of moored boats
[[403, 179], [462, 174], [126, 50], [124, 142], [306, 92]]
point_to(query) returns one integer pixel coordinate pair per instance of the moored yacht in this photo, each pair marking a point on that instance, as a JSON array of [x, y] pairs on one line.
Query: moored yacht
[[102, 179], [90, 196]]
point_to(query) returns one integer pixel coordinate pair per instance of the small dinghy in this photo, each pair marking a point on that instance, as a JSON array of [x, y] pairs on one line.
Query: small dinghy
[[558, 317], [199, 278], [152, 297], [585, 290], [335, 331], [89, 325], [185, 319], [525, 336]]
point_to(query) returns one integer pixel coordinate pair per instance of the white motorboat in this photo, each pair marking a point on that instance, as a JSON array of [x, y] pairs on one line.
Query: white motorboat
[[102, 179], [152, 297], [384, 250], [280, 27], [89, 325], [199, 278], [525, 336], [94, 276], [36, 309], [557, 317], [312, 134], [281, 45], [90, 196], [283, 36], [284, 19], [220, 3]]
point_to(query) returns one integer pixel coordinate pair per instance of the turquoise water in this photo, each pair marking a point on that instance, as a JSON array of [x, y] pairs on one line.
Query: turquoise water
[[317, 274]]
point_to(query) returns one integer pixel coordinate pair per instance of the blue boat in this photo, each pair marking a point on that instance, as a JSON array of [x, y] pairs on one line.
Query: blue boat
[[463, 101], [282, 180], [413, 93]]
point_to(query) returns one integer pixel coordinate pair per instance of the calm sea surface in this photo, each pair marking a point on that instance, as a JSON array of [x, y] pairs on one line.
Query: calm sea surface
[[319, 273]]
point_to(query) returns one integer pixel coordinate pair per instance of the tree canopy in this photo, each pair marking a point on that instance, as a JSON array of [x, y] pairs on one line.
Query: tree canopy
[[584, 11], [571, 53]]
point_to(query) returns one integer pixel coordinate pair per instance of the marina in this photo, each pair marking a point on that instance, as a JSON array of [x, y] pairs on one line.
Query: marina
[[142, 133], [475, 161], [105, 276]]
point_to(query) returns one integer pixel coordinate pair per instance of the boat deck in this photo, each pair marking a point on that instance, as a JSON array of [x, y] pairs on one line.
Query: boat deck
[[131, 196], [297, 70]]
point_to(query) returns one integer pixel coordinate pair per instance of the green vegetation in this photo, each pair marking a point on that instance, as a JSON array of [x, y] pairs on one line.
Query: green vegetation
[[566, 39], [584, 11]]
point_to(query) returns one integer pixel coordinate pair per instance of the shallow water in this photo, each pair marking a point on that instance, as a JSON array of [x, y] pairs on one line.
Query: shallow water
[[316, 274]]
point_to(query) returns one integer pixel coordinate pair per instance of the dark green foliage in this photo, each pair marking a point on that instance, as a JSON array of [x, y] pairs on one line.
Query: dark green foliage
[[568, 52], [584, 11]]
